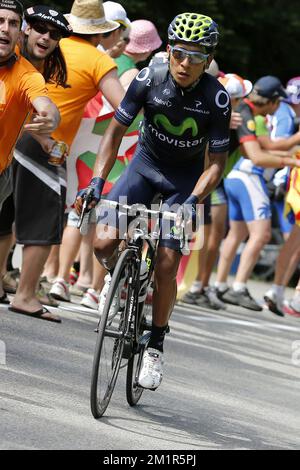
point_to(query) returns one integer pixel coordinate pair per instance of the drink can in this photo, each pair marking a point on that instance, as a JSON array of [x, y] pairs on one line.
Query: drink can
[[58, 154]]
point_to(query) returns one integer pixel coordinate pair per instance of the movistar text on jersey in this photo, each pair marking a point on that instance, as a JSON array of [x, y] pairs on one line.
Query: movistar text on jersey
[[175, 142]]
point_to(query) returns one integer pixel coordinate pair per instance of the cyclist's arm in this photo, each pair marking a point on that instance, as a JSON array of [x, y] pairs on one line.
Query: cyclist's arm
[[127, 111], [211, 177], [259, 157]]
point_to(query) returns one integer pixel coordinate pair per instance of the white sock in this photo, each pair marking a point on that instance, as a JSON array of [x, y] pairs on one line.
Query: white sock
[[239, 286], [221, 286], [279, 291], [196, 287]]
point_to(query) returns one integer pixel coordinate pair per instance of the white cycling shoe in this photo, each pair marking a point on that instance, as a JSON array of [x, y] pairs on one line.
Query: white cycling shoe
[[151, 373]]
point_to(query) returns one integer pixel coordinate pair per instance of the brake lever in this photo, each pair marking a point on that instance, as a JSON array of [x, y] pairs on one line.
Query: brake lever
[[83, 222]]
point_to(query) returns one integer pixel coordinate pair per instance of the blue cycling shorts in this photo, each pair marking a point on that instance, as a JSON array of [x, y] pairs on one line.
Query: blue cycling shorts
[[142, 181]]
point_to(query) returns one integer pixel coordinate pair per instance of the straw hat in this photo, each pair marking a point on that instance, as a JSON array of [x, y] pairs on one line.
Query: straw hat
[[87, 17]]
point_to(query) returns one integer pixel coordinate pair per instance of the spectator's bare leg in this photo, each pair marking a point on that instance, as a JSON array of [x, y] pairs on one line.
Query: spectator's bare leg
[[237, 234], [34, 258]]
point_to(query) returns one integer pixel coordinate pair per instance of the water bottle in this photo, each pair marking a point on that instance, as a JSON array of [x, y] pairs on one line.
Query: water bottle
[[143, 281]]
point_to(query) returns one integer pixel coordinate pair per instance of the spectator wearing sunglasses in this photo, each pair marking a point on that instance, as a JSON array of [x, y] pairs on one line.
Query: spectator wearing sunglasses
[[22, 91], [42, 30], [88, 70]]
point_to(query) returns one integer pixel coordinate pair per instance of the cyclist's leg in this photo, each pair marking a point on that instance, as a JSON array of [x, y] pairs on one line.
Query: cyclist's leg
[[138, 184], [165, 286]]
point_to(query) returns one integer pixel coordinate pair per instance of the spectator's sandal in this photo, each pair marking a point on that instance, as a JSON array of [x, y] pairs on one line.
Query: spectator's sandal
[[42, 314], [4, 299]]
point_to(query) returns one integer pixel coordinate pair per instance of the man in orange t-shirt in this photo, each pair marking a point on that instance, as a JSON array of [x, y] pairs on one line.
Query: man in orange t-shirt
[[88, 71], [22, 89]]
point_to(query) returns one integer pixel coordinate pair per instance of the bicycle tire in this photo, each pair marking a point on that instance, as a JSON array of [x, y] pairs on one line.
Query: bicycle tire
[[112, 328], [133, 390]]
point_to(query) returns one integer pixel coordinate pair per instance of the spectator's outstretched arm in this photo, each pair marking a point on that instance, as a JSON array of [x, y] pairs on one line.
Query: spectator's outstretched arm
[[279, 144], [260, 157], [47, 117]]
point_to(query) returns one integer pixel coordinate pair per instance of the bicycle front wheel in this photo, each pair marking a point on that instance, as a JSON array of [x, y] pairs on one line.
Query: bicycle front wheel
[[111, 336]]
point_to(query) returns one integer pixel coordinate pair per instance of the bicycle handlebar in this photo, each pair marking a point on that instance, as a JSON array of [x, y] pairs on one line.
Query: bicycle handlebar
[[140, 209]]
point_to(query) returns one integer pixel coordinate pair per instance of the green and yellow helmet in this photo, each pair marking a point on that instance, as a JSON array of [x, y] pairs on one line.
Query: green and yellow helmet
[[194, 28]]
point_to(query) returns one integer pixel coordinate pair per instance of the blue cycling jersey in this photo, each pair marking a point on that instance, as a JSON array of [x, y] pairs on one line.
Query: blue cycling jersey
[[178, 123]]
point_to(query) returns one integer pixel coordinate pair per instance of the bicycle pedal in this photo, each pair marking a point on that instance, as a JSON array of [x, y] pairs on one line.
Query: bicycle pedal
[[144, 339]]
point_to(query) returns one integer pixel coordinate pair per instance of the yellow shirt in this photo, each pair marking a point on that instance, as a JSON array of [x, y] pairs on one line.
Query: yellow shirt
[[20, 84], [86, 66]]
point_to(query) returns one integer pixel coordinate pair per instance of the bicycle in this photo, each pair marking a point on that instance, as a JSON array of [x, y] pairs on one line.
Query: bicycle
[[123, 331]]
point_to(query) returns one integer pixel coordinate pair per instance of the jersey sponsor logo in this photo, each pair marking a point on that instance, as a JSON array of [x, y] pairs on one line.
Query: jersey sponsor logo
[[2, 95], [200, 111], [143, 74], [175, 142], [167, 92], [222, 99], [251, 125], [187, 124], [162, 102], [219, 143], [124, 113], [53, 12]]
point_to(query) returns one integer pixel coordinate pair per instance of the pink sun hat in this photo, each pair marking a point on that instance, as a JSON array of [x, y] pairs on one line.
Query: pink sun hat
[[143, 37]]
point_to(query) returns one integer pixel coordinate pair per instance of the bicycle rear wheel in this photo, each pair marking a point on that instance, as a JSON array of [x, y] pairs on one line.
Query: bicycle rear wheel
[[112, 335]]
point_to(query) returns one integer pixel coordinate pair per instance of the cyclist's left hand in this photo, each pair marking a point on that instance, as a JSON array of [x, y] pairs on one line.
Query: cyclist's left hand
[[94, 190]]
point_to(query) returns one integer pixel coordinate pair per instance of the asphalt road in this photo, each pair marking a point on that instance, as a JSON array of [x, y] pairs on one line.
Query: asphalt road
[[232, 381]]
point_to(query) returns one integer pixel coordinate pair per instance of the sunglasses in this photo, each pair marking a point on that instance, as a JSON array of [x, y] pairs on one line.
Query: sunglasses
[[194, 57], [54, 34]]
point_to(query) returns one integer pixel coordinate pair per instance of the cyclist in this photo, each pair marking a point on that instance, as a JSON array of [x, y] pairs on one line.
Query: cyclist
[[184, 109]]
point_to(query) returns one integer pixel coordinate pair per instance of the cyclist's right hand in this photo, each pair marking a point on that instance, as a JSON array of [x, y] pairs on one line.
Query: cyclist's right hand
[[93, 192]]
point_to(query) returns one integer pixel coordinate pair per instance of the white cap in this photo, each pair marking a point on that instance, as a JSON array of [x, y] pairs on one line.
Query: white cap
[[115, 12], [235, 85]]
